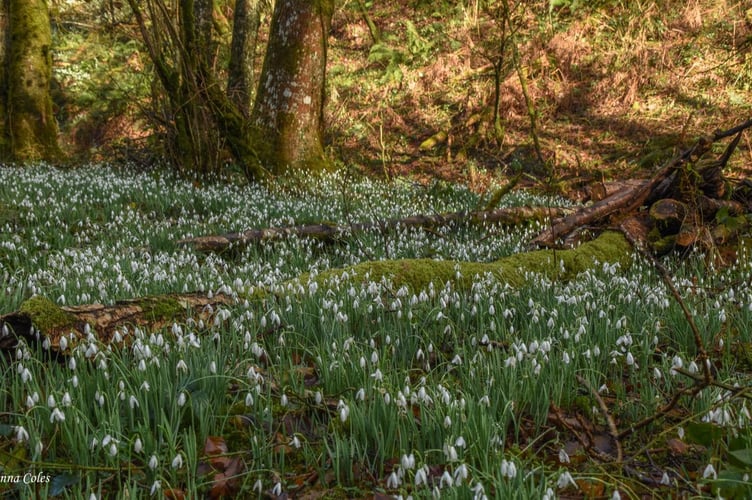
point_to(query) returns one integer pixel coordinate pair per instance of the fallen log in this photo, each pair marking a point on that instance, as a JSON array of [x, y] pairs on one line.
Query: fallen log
[[39, 317], [40, 321], [690, 179], [334, 232]]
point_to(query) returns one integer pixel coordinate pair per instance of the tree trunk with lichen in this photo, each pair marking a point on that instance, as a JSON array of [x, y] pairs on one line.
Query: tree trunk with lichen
[[240, 72], [288, 110], [29, 127]]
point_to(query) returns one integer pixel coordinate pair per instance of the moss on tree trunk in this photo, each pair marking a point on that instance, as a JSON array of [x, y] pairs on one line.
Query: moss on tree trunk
[[288, 111], [31, 123]]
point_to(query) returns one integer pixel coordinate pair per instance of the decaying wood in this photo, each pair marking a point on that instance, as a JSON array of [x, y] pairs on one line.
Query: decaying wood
[[333, 232], [684, 196], [76, 323]]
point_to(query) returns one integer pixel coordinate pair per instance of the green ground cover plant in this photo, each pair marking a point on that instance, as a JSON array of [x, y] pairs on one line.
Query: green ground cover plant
[[349, 388]]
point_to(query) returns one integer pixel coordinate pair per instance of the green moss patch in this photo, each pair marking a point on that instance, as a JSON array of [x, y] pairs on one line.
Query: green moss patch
[[610, 247], [46, 316]]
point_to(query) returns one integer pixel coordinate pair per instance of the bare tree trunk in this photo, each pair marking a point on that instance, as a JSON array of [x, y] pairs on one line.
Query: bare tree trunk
[[288, 110], [4, 45], [32, 129], [240, 78]]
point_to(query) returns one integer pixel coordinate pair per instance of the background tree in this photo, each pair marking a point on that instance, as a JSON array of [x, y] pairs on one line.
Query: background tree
[[29, 128], [289, 105]]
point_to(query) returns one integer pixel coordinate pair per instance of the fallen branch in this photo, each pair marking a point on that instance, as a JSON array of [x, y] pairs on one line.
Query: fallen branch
[[334, 232], [40, 317]]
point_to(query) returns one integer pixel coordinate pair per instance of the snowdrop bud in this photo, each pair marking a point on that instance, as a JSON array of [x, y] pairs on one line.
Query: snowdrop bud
[[153, 462], [181, 399], [213, 367], [138, 446], [283, 400]]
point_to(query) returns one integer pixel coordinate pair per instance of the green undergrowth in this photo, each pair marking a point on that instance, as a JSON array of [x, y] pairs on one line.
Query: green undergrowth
[[404, 363]]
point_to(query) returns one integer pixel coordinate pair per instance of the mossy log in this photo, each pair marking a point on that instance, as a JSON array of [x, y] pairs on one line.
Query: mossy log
[[38, 318], [333, 232]]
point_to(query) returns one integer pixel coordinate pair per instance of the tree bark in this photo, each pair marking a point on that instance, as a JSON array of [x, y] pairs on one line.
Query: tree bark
[[240, 77], [288, 111], [31, 127], [332, 232]]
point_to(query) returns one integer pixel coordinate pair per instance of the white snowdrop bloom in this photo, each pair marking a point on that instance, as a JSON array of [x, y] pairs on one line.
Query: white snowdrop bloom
[[113, 449], [213, 367], [57, 416], [407, 461], [155, 487], [665, 479], [548, 495], [565, 480], [318, 397], [457, 360], [451, 453], [722, 315], [362, 362], [447, 422], [460, 474], [387, 398], [421, 476], [138, 446], [491, 310], [361, 394], [295, 442], [177, 462], [344, 411], [66, 401], [377, 375], [153, 462], [283, 400], [446, 480], [657, 373], [133, 402], [38, 448], [565, 358], [63, 343], [21, 434], [277, 490], [676, 362], [25, 375], [508, 469], [93, 496], [181, 366], [680, 432], [709, 472], [145, 386], [563, 456], [51, 401], [630, 359], [692, 368], [616, 495], [460, 442], [181, 399], [393, 481], [484, 401], [142, 366]]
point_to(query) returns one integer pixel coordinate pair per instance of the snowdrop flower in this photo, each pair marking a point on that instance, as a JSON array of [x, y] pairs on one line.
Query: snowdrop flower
[[51, 401], [565, 479], [155, 487], [295, 442], [460, 474], [446, 480], [113, 449], [460, 442], [57, 416], [138, 446], [630, 359], [177, 462], [563, 456], [447, 422], [153, 462], [21, 434], [549, 495], [181, 366], [616, 495], [145, 386], [277, 490], [709, 472], [361, 394], [377, 375], [66, 399], [484, 401], [451, 453], [258, 486], [320, 397], [213, 367], [344, 411], [25, 375], [181, 399], [72, 364], [283, 400], [408, 461], [421, 476], [665, 480], [249, 400], [508, 469], [133, 402], [393, 481]]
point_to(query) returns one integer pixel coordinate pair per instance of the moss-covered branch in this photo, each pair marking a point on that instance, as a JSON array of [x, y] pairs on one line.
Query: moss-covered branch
[[38, 317]]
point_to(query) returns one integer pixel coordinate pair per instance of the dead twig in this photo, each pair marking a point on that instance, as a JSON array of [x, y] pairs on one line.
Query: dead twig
[[607, 415]]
